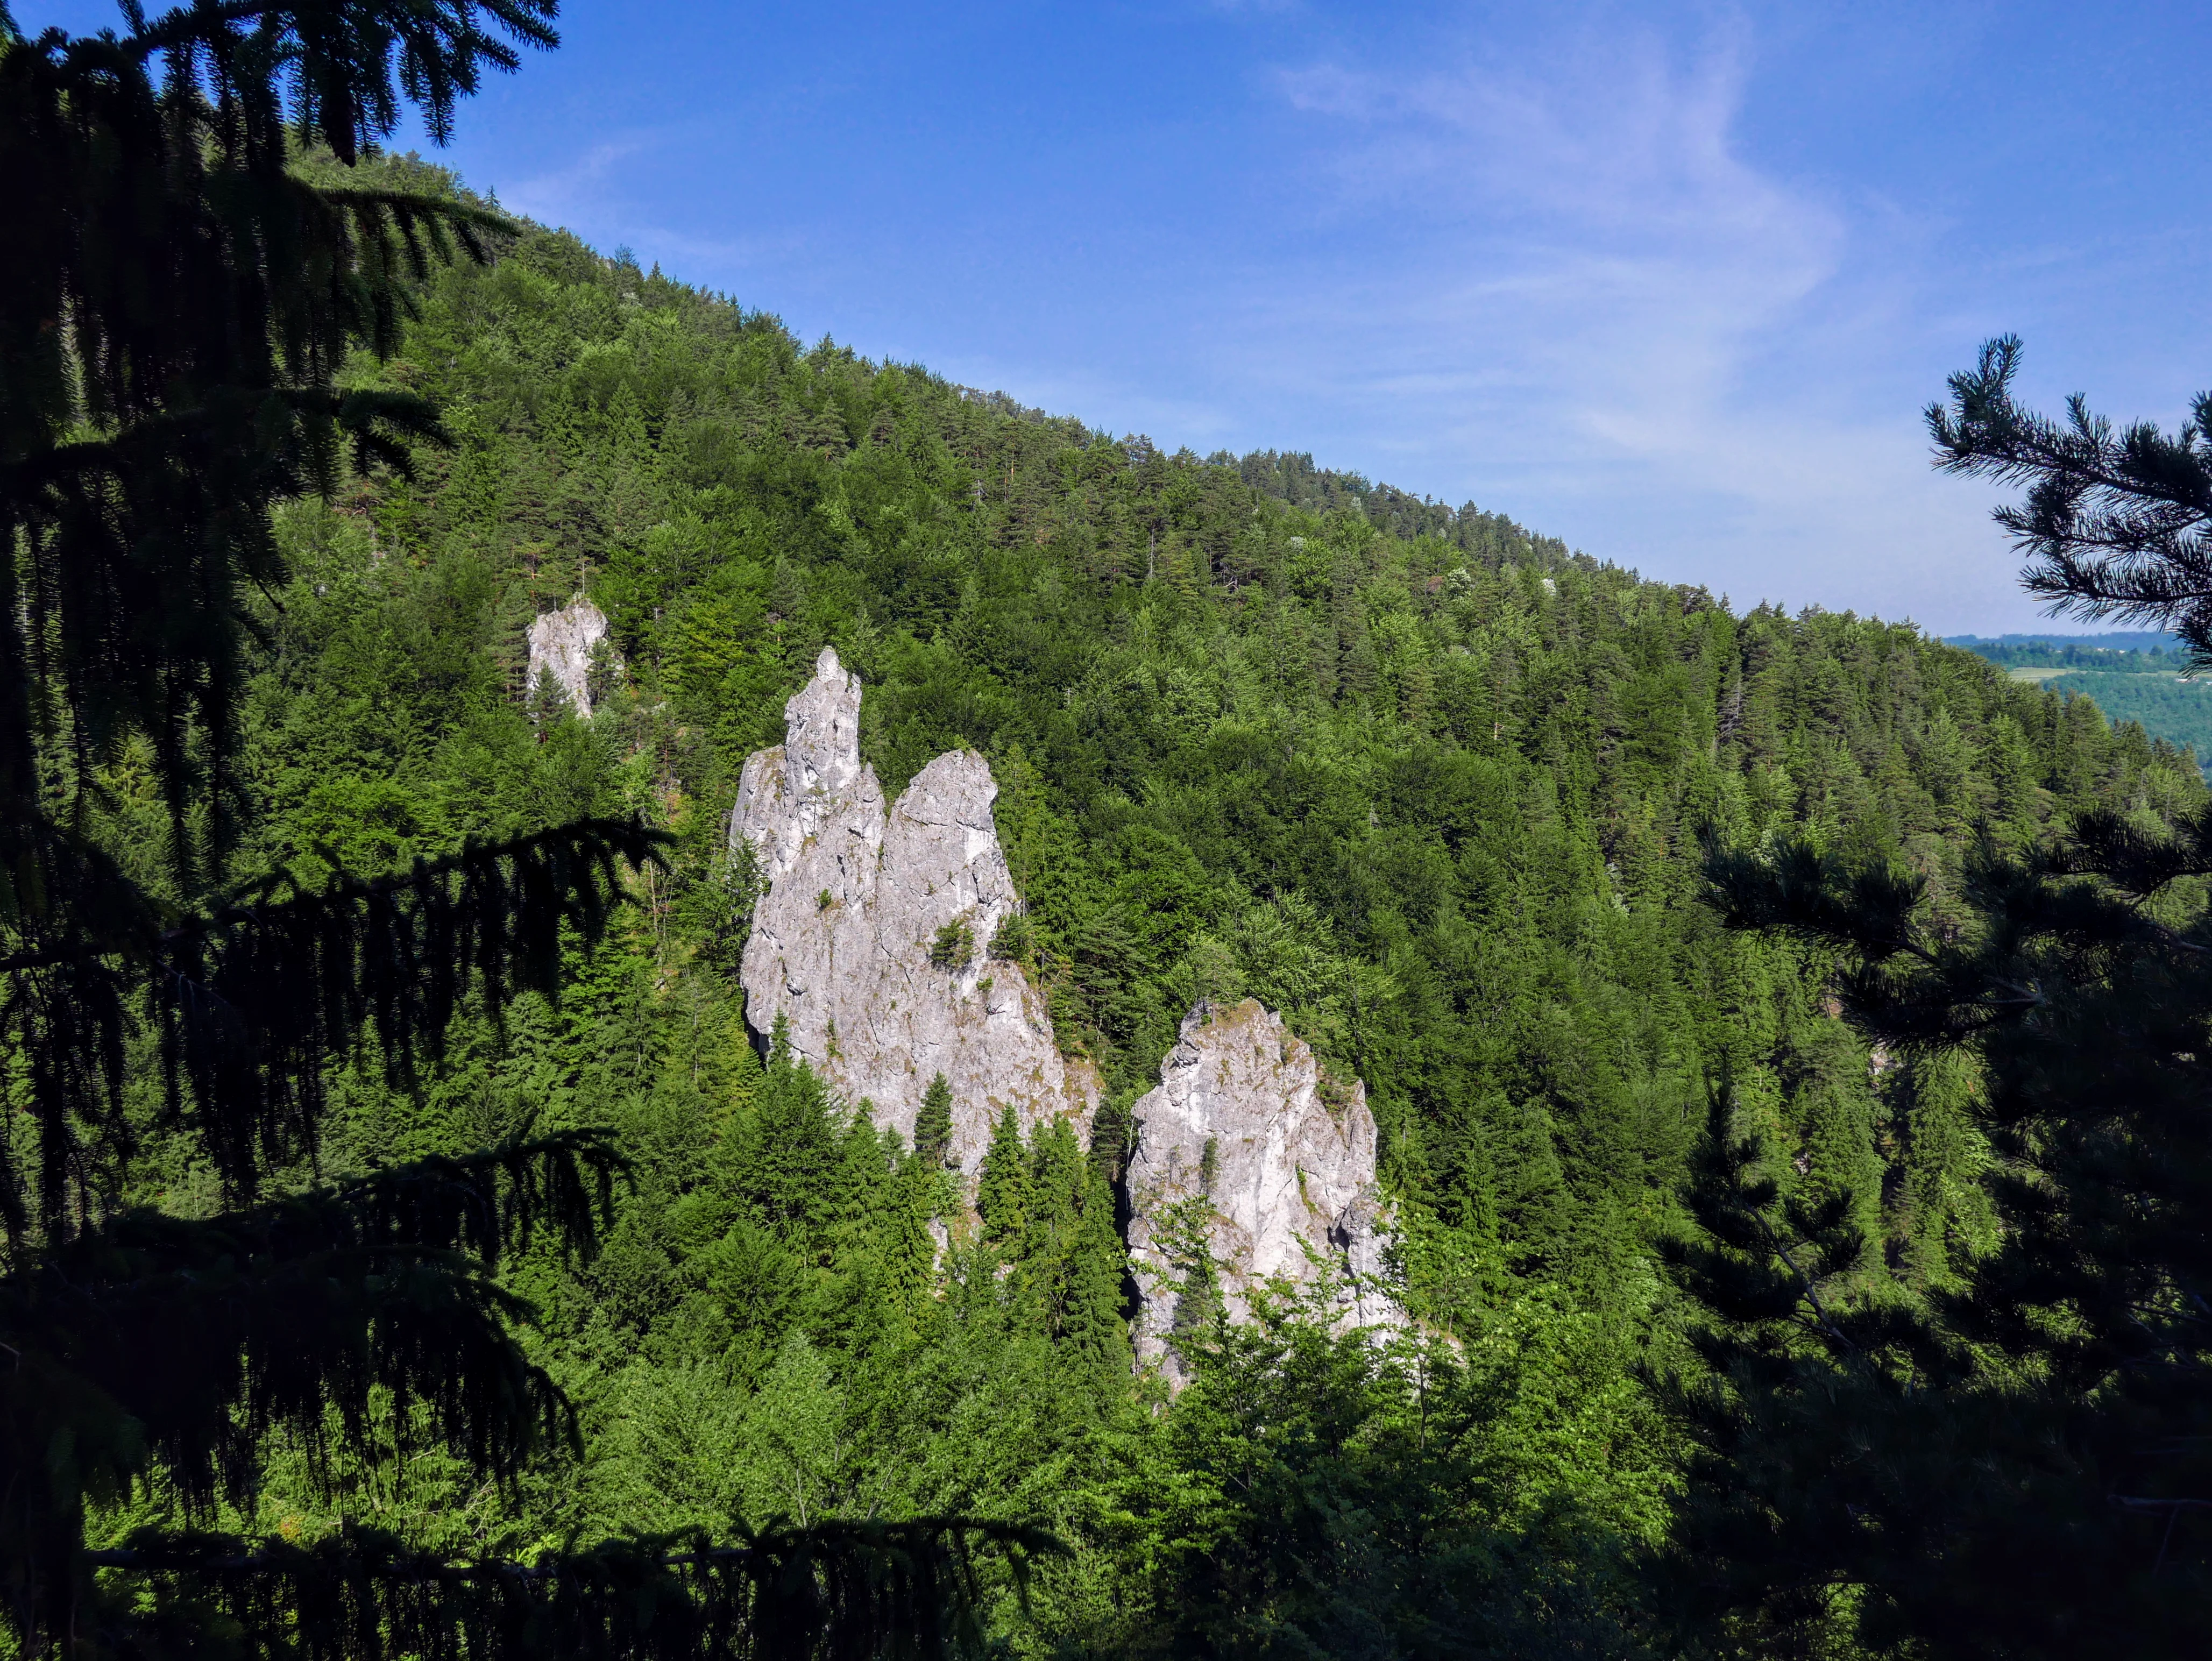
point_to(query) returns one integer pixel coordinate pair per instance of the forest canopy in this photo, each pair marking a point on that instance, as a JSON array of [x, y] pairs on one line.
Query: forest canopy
[[2151, 685], [1431, 784], [421, 1253]]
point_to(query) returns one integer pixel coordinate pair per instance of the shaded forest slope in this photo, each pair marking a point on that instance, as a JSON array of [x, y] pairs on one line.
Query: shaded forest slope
[[1427, 782]]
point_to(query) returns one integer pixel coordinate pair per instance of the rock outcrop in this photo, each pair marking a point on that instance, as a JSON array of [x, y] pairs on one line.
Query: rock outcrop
[[1239, 1146], [857, 900], [560, 645]]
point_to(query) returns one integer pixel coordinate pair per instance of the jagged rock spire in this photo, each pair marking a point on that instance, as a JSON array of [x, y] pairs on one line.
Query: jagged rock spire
[[1240, 1136], [1241, 1148], [843, 940]]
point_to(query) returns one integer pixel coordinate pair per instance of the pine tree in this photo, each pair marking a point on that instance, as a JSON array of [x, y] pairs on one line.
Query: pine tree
[[176, 297], [933, 1123], [786, 1163], [906, 1253], [1045, 1249], [2115, 525], [2015, 1461], [1056, 1173]]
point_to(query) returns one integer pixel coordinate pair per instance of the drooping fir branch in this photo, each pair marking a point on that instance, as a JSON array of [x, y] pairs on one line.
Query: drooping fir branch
[[839, 1589], [252, 999], [279, 1310], [176, 303], [343, 56], [361, 1318]]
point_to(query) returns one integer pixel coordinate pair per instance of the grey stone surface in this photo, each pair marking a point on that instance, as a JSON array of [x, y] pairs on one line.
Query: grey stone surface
[[855, 896], [561, 644], [1291, 1179]]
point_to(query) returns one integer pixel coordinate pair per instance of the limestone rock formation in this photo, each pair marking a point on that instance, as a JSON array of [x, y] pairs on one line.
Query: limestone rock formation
[[560, 645], [856, 902], [1239, 1146]]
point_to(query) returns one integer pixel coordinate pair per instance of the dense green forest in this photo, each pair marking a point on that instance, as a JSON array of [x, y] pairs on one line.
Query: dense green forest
[[1429, 783], [2142, 684], [1785, 1034]]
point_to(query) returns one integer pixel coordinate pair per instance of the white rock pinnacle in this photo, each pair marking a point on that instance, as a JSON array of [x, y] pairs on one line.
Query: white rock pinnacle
[[855, 897], [561, 644], [1286, 1172]]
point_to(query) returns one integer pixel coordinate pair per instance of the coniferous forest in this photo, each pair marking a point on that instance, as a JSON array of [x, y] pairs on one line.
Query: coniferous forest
[[1782, 1030]]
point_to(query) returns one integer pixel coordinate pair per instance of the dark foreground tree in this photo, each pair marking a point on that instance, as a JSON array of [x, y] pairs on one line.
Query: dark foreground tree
[[2018, 1465], [176, 299]]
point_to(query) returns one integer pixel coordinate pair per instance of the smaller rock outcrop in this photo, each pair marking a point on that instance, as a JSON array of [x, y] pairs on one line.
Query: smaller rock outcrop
[[871, 939], [1239, 1149], [560, 645]]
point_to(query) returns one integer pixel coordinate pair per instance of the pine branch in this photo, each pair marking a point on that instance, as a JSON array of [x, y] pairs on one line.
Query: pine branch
[[2117, 526]]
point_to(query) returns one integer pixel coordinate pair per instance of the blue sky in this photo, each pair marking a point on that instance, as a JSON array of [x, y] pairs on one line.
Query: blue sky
[[1670, 282]]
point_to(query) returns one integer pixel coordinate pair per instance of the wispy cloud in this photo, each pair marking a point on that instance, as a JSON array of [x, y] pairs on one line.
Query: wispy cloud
[[1594, 303], [562, 195], [596, 195]]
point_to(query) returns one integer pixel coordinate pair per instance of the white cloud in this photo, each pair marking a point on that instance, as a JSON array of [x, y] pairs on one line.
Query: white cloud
[[597, 195]]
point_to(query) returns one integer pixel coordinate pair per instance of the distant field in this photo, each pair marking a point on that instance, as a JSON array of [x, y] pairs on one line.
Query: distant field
[[2128, 681], [2143, 640]]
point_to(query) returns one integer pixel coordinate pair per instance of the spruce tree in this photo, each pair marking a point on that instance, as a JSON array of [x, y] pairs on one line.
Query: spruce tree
[[1094, 1321], [933, 1123], [1002, 1193], [1057, 1167], [2017, 1462], [176, 299]]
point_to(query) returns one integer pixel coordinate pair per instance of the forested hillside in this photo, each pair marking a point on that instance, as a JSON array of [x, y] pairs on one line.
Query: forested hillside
[[1425, 781]]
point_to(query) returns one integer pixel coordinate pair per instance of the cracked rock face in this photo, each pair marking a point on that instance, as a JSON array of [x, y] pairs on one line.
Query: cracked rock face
[[561, 644], [1287, 1171], [856, 896]]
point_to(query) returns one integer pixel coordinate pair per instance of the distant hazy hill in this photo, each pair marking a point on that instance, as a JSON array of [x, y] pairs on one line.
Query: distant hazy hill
[[2139, 641], [2132, 677]]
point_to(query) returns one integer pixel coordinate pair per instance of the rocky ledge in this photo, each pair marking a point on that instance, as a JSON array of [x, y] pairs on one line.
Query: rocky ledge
[[871, 936], [1241, 1149]]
